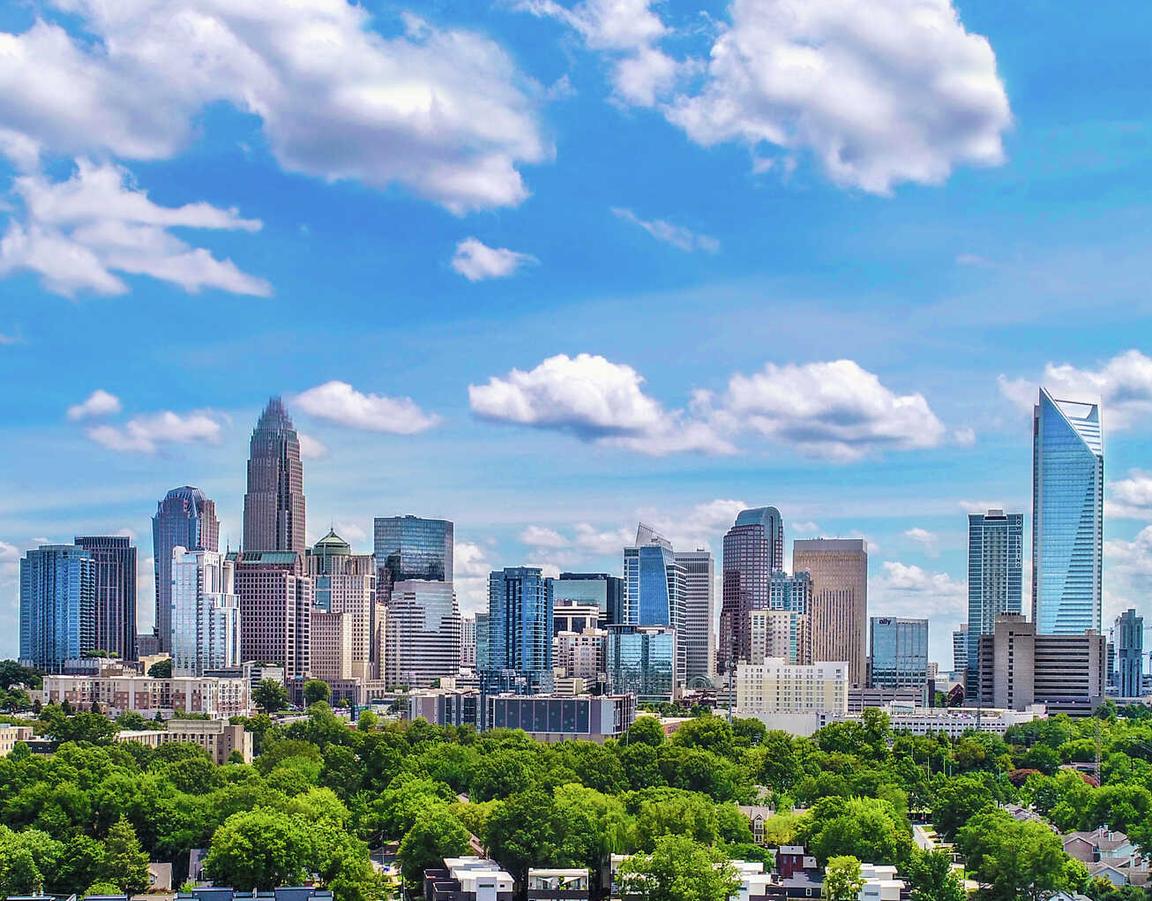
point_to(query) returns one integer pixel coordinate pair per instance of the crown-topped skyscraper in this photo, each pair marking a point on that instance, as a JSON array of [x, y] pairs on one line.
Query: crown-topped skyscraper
[[274, 503]]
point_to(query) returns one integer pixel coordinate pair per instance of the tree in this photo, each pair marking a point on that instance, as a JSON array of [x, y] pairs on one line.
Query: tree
[[645, 730], [125, 864], [958, 799], [678, 869], [865, 828], [161, 669], [932, 878], [259, 849], [436, 834], [842, 879], [1015, 859], [671, 811], [316, 690], [270, 696], [132, 721]]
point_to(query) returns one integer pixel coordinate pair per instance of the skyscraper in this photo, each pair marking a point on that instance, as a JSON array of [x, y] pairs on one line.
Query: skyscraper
[[604, 590], [655, 589], [205, 613], [995, 580], [898, 652], [699, 614], [1128, 636], [423, 633], [275, 609], [187, 519], [57, 605], [960, 650], [753, 550], [520, 629], [115, 610], [411, 548], [274, 516], [1067, 515], [344, 584], [839, 612]]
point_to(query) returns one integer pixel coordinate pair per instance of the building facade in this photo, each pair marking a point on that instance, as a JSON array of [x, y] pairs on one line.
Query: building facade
[[699, 630], [274, 508], [57, 605], [187, 519], [1067, 516], [995, 577], [779, 633], [215, 696], [275, 599], [604, 590], [468, 641], [206, 625], [573, 617], [898, 652], [423, 634], [1128, 637], [410, 548], [483, 648], [580, 655], [344, 584], [641, 660], [655, 591], [960, 650], [520, 621], [839, 608], [219, 738], [753, 551], [776, 686], [115, 606]]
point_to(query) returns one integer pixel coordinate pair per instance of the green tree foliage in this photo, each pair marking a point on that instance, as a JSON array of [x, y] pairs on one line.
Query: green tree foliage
[[842, 879], [678, 869], [932, 878], [270, 696], [315, 691], [866, 828], [161, 669], [260, 849], [1015, 859], [435, 834], [125, 864]]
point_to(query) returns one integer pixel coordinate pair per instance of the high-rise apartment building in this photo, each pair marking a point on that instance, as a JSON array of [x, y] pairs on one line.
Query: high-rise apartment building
[[839, 609], [276, 600], [604, 590], [520, 629], [187, 519], [1067, 515], [1128, 637], [995, 578], [410, 548], [483, 651], [468, 641], [960, 650], [699, 633], [776, 686], [423, 634], [274, 509], [753, 551], [898, 652], [581, 654], [655, 590], [115, 609], [205, 613], [779, 633], [57, 605], [344, 584], [572, 617]]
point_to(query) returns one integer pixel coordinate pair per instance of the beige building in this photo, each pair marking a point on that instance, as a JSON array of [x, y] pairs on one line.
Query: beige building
[[332, 642], [211, 695], [580, 655], [345, 583], [10, 734], [776, 686], [839, 611], [218, 737], [275, 609], [698, 634], [780, 633]]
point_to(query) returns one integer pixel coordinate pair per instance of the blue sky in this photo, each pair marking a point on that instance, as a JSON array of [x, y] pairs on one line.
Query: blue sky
[[685, 255]]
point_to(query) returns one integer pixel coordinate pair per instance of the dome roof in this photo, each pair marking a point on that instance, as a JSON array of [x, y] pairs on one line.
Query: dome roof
[[332, 544]]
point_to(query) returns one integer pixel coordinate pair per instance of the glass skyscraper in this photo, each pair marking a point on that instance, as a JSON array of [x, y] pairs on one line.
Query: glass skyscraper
[[520, 608], [655, 589], [898, 652], [274, 514], [410, 548], [641, 660], [753, 551], [995, 580], [115, 608], [205, 613], [1128, 636], [1067, 515], [603, 590], [187, 519], [57, 605]]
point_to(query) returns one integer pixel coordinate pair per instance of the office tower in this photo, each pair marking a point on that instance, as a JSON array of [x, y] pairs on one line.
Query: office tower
[[839, 608], [753, 550], [423, 634], [1128, 636], [483, 654], [779, 633], [641, 660], [345, 584], [995, 578], [187, 519], [274, 505], [468, 641], [1019, 666], [520, 628], [655, 590], [1067, 515], [960, 650], [275, 610], [57, 605], [205, 613], [603, 590], [409, 548], [699, 635], [332, 657], [572, 617], [898, 652], [115, 560]]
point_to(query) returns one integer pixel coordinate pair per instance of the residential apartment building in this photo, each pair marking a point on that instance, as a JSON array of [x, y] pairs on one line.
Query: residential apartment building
[[217, 697], [776, 686], [219, 738]]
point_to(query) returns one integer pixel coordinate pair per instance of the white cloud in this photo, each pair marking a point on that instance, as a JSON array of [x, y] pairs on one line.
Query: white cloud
[[1127, 573], [981, 506], [662, 230], [930, 541], [350, 531], [602, 541], [1130, 498], [880, 91], [478, 262], [965, 436], [903, 589], [1123, 385], [543, 537], [99, 403], [147, 434], [595, 400], [470, 575], [835, 410], [311, 448], [629, 32], [443, 112], [805, 529], [84, 233], [339, 402]]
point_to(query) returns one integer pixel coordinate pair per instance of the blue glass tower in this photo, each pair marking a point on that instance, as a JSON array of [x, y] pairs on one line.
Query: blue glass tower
[[995, 580], [520, 629], [409, 547], [898, 652], [655, 589], [57, 605], [1067, 515]]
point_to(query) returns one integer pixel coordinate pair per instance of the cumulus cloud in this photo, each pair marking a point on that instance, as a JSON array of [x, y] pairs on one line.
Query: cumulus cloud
[[311, 448], [83, 234], [836, 410], [930, 541], [805, 529], [1130, 498], [470, 575], [880, 91], [339, 402], [596, 400], [1127, 573], [981, 506], [8, 339], [443, 112], [99, 403], [629, 33], [679, 237], [903, 589], [148, 433], [477, 262], [543, 537], [1123, 385]]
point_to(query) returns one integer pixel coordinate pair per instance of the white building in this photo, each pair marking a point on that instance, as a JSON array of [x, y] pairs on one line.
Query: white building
[[205, 613], [423, 634], [699, 631], [218, 737], [218, 697], [880, 883], [776, 686], [955, 721], [779, 633], [580, 655]]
